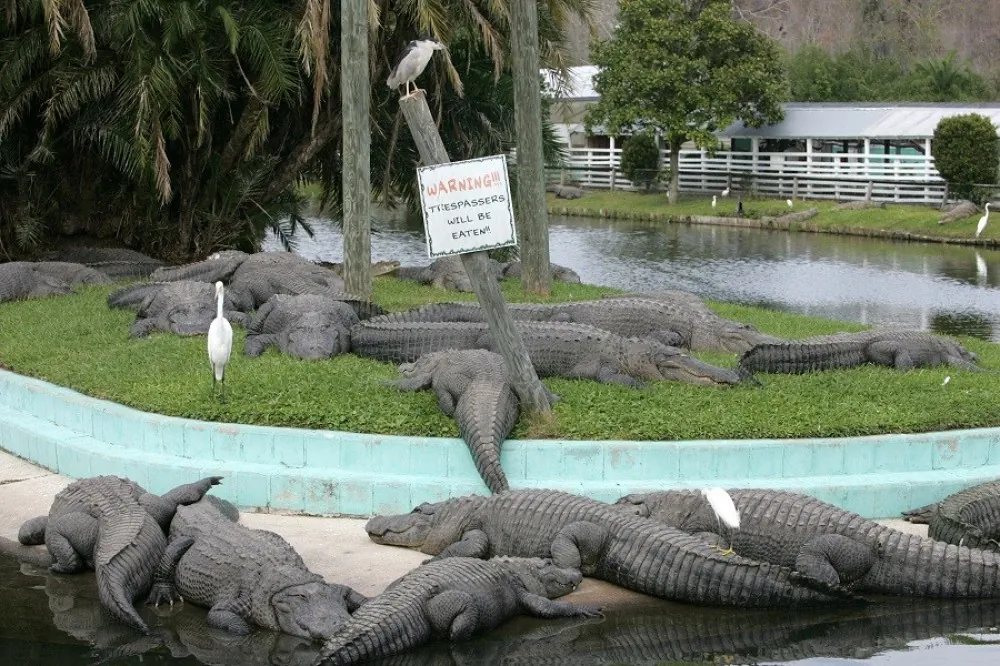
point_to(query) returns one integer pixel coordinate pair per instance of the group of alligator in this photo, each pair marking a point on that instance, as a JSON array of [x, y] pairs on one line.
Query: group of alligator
[[503, 555], [302, 308]]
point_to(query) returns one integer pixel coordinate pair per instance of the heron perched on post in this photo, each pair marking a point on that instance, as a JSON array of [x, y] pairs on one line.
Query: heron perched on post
[[412, 62]]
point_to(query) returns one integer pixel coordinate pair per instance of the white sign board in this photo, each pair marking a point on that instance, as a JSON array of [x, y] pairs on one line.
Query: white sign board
[[467, 206]]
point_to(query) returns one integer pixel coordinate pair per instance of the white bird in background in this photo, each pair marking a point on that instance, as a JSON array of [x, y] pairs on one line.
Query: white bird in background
[[412, 62], [983, 220], [725, 192], [714, 200], [789, 202], [946, 380], [220, 343]]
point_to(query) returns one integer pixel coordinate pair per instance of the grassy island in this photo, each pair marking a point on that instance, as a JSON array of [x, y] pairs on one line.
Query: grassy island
[[78, 342]]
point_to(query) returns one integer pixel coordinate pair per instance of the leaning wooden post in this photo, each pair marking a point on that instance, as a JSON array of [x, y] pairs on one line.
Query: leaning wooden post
[[530, 390], [355, 90]]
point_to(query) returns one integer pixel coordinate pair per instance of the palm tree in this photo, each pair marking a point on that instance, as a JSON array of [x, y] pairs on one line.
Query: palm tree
[[947, 79]]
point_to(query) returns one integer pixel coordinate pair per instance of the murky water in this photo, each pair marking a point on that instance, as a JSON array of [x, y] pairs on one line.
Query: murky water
[[56, 621], [948, 289]]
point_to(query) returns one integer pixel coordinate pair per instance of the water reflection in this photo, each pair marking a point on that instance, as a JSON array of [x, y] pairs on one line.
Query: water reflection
[[925, 285], [57, 621]]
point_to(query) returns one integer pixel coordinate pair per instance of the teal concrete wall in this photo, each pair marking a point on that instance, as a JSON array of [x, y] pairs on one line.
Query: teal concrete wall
[[325, 472]]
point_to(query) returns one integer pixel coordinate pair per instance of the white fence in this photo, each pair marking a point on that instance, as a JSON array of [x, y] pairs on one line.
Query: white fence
[[900, 178]]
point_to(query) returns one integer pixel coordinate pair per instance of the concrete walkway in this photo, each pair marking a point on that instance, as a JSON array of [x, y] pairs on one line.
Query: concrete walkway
[[336, 548]]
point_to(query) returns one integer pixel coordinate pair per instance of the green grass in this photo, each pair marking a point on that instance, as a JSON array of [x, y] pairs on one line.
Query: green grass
[[895, 218], [78, 342]]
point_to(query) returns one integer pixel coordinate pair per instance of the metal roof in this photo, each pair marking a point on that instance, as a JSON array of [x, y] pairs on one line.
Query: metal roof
[[816, 120]]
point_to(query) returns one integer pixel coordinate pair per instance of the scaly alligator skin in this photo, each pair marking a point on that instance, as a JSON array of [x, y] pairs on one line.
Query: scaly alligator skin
[[603, 541], [218, 266], [472, 386], [903, 350], [182, 308], [443, 273], [307, 326], [455, 599], [265, 274], [560, 273], [115, 527], [71, 274], [970, 517], [18, 281], [247, 576], [115, 262], [574, 351], [904, 564], [378, 267], [631, 317]]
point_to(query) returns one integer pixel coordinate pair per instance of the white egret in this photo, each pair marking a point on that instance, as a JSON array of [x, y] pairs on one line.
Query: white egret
[[789, 202], [725, 192], [725, 510], [714, 201], [983, 220], [946, 380], [412, 62], [220, 342]]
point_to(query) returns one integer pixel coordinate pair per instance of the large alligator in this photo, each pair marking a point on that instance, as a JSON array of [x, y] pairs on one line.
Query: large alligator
[[114, 526], [900, 349], [603, 541], [117, 263], [473, 387], [970, 517], [182, 308], [443, 273], [574, 351], [247, 576], [559, 273], [19, 281], [306, 326], [891, 562], [631, 317], [455, 599], [70, 273]]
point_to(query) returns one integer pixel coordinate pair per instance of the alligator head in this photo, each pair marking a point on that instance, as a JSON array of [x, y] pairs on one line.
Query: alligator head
[[190, 318], [309, 609], [314, 336], [542, 577], [686, 510], [651, 361], [429, 528], [731, 336]]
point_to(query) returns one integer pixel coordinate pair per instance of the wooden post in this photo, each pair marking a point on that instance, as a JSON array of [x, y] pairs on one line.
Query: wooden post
[[523, 377], [355, 90], [536, 273]]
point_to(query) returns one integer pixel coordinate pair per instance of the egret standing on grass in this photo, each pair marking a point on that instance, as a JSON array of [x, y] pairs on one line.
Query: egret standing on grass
[[725, 509], [412, 63], [789, 202], [220, 343], [725, 192], [714, 201], [983, 220]]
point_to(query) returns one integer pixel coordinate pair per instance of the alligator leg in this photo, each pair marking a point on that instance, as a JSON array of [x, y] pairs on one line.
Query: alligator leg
[[228, 615], [71, 538], [539, 606], [473, 543], [834, 559], [255, 345], [669, 338], [608, 375], [142, 328], [453, 613], [32, 532], [920, 516], [162, 507], [353, 599], [163, 589], [578, 546]]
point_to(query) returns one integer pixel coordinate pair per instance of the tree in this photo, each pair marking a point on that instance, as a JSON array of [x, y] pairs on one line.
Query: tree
[[966, 151], [947, 80], [641, 159], [685, 73]]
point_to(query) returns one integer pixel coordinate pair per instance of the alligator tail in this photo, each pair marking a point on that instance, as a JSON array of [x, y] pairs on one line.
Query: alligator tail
[[486, 413], [800, 357], [374, 631], [114, 596]]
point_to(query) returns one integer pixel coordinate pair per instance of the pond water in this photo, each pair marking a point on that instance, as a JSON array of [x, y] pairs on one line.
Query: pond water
[[50, 620], [931, 286]]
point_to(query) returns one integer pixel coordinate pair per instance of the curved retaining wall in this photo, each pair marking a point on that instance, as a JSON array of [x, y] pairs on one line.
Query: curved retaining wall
[[325, 472]]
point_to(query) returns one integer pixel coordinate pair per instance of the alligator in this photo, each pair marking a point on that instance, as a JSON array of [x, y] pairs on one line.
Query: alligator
[[574, 351], [384, 267], [560, 273], [70, 273], [247, 576], [899, 349], [633, 317], [903, 564], [970, 517], [473, 387], [307, 327], [117, 263], [565, 191], [183, 308], [115, 527], [455, 599], [444, 273], [218, 266], [19, 281], [602, 540]]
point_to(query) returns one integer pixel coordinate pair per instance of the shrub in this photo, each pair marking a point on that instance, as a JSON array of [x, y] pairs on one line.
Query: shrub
[[641, 159], [966, 152]]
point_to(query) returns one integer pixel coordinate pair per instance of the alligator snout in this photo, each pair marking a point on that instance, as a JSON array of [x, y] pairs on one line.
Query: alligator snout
[[684, 368], [408, 530]]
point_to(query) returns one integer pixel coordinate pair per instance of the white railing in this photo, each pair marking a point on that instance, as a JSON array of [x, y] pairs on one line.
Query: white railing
[[900, 178]]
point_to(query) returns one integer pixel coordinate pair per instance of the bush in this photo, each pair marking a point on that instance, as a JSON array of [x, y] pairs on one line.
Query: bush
[[641, 159], [966, 152]]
